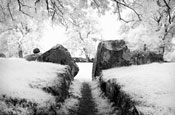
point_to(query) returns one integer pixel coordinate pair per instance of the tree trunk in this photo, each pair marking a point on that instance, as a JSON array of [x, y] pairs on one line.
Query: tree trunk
[[20, 51], [86, 54]]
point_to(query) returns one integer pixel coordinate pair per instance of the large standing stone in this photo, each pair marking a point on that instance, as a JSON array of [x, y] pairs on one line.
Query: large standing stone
[[61, 55], [112, 53]]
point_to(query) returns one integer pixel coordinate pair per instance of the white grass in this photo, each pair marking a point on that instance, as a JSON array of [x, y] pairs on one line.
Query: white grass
[[170, 56], [85, 72], [103, 105], [23, 79], [152, 85], [72, 103]]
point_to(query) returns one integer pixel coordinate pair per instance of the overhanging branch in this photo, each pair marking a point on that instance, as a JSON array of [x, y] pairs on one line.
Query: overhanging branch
[[55, 7], [8, 6], [168, 11], [119, 15], [20, 8], [124, 4], [60, 3], [36, 2]]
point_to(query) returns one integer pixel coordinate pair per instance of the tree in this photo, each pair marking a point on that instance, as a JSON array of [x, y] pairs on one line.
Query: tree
[[158, 18], [82, 35], [154, 17], [147, 19], [18, 27]]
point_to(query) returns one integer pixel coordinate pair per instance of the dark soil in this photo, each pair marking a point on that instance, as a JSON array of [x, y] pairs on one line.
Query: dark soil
[[87, 105]]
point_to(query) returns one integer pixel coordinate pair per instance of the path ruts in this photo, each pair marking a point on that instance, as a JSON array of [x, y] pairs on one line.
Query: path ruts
[[86, 105]]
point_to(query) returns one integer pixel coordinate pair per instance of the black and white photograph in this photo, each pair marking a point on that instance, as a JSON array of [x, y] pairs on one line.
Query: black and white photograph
[[87, 57]]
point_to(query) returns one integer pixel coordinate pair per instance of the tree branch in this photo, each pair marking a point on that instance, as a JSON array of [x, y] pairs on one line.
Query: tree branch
[[138, 15], [96, 3], [20, 8], [168, 10], [167, 31], [55, 6], [124, 1], [2, 11], [60, 3], [158, 18], [119, 15], [80, 36], [36, 2], [166, 4], [47, 6], [8, 6], [53, 16], [88, 34]]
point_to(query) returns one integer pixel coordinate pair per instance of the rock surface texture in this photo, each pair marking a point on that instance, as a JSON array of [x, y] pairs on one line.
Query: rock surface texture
[[60, 55], [110, 54], [34, 56], [120, 99], [2, 55]]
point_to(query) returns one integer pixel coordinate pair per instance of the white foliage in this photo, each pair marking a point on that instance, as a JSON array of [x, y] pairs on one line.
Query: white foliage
[[103, 105], [22, 79], [152, 85], [71, 103]]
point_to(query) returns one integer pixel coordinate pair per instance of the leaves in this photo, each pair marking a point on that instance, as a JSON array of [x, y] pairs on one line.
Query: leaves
[[155, 17]]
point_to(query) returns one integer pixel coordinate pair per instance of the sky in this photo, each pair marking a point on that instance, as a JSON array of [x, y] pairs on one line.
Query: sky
[[109, 28], [107, 24], [52, 36]]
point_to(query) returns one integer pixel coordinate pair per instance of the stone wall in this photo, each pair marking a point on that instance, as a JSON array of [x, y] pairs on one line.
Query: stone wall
[[121, 100], [34, 88]]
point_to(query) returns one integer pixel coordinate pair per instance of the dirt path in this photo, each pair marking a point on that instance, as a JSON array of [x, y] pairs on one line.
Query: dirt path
[[87, 105]]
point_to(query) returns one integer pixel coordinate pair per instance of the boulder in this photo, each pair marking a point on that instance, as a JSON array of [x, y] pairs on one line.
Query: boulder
[[34, 56], [2, 55], [36, 50], [60, 55], [111, 53]]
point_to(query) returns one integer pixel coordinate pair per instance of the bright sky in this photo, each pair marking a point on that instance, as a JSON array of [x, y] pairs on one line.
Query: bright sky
[[108, 26], [85, 72], [52, 36]]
